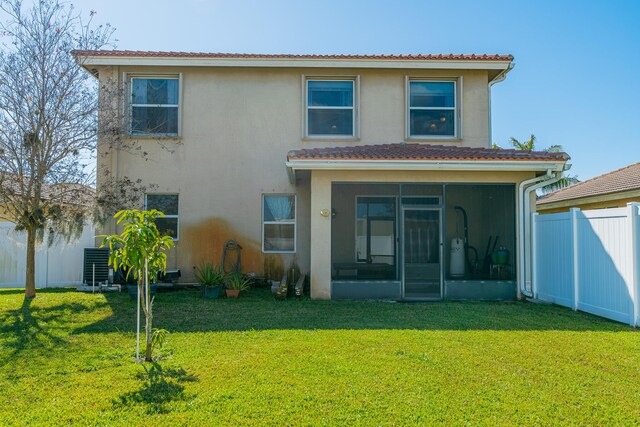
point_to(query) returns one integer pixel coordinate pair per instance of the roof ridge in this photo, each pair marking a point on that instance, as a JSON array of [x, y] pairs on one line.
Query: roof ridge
[[405, 56], [588, 181]]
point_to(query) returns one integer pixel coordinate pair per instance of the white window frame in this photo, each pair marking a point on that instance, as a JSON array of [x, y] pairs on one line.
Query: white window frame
[[177, 217], [130, 105], [356, 96], [457, 108], [293, 221]]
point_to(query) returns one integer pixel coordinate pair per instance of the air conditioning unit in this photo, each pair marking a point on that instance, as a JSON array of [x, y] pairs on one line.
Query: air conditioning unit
[[97, 258]]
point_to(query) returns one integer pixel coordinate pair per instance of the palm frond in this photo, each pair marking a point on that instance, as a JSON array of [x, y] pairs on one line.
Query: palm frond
[[564, 182], [554, 148]]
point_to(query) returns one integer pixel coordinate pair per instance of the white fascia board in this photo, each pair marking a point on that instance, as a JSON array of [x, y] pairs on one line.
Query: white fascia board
[[293, 63], [473, 165]]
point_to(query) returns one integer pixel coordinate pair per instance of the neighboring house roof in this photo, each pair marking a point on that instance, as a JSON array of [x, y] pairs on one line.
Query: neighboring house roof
[[73, 194], [414, 151], [413, 156], [620, 180], [497, 65]]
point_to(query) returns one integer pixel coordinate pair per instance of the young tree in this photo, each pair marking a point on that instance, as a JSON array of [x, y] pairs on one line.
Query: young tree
[[140, 250], [48, 113]]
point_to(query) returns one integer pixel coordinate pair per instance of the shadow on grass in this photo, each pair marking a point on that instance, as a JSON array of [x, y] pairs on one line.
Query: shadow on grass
[[31, 328], [27, 328], [160, 386], [185, 311], [18, 291]]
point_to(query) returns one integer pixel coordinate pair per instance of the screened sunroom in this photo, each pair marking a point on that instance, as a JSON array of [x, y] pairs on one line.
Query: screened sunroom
[[407, 241], [415, 221]]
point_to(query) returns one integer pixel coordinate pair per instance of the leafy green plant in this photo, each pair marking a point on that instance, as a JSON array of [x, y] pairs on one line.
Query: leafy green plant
[[238, 282], [141, 250], [282, 291], [209, 275], [159, 337]]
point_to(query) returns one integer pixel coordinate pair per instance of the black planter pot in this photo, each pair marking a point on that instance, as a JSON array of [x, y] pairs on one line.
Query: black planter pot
[[133, 291], [210, 291]]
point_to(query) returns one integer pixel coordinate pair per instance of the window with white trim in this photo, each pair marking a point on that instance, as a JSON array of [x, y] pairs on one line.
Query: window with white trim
[[154, 107], [432, 109], [279, 223], [168, 205], [330, 108]]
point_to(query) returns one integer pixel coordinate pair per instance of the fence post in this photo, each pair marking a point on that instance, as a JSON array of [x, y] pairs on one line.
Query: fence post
[[46, 265], [576, 271], [534, 258], [632, 216]]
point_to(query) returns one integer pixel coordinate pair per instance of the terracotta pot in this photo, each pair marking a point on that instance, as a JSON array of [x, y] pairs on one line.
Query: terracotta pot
[[232, 293]]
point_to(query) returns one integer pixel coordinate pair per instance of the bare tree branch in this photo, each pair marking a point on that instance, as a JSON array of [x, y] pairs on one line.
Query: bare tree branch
[[48, 120]]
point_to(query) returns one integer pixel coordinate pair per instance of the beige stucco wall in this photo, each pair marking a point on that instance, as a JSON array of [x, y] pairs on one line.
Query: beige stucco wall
[[238, 125]]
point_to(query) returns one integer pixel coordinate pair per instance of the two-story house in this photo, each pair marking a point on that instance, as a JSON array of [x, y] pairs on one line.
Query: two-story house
[[373, 171]]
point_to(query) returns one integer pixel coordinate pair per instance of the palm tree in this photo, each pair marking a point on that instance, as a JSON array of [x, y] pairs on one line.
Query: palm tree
[[525, 145], [564, 182], [530, 145]]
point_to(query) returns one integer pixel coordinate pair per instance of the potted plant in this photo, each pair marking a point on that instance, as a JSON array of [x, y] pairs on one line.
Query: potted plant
[[282, 291], [132, 289], [210, 279], [236, 282]]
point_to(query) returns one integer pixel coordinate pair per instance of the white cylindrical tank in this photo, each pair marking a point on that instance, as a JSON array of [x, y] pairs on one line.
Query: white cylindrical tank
[[456, 264]]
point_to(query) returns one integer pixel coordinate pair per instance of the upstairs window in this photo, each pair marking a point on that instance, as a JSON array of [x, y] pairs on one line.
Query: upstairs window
[[168, 205], [331, 108], [154, 105], [432, 109]]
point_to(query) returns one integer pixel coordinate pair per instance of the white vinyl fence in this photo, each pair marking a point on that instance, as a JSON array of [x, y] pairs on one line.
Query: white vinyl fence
[[589, 261], [56, 266]]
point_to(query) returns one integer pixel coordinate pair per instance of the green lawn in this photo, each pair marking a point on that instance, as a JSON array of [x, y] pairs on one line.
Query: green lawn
[[69, 358]]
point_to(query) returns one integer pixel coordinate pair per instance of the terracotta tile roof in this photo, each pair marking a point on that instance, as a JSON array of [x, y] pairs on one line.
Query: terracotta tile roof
[[408, 57], [414, 151], [624, 179]]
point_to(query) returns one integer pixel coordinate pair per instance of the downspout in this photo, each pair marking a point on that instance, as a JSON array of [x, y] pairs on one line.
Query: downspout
[[521, 187], [524, 227], [500, 77]]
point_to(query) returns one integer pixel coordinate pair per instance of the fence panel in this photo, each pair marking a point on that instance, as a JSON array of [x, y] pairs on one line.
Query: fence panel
[[604, 260], [607, 262], [11, 256], [57, 265], [554, 258]]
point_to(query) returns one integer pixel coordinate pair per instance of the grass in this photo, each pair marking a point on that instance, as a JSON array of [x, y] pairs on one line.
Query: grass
[[68, 358]]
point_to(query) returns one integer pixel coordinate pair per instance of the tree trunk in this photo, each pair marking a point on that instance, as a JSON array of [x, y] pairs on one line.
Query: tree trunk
[[148, 320], [30, 282]]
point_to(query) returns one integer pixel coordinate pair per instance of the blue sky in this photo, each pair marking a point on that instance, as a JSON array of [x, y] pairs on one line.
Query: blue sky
[[576, 81]]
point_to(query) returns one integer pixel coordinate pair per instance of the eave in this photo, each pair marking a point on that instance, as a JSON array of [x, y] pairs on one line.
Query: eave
[[102, 60], [424, 165]]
